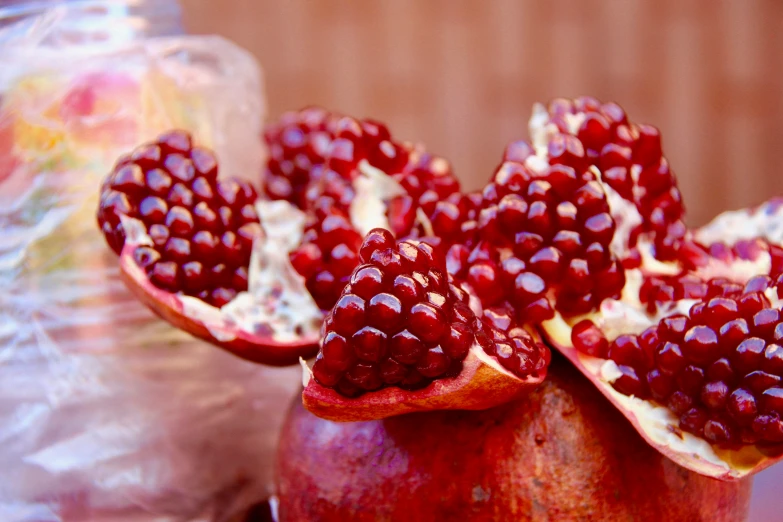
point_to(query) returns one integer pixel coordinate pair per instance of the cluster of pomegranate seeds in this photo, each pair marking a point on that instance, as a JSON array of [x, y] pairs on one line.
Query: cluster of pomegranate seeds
[[630, 159], [500, 336], [429, 185], [329, 250], [400, 322], [396, 323], [558, 227], [298, 144], [661, 289], [202, 229], [358, 140], [327, 254], [719, 368]]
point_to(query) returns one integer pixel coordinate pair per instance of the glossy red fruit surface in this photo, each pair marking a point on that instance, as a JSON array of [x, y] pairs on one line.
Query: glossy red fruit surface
[[560, 453]]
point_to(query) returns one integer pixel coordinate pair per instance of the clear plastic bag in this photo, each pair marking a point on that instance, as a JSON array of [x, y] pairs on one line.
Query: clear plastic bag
[[106, 412]]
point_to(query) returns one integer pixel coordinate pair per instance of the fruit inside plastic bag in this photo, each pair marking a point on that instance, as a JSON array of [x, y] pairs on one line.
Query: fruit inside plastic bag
[[106, 412]]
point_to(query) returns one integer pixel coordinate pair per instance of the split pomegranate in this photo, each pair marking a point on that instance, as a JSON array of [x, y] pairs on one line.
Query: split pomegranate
[[402, 338], [560, 453], [204, 254], [582, 233]]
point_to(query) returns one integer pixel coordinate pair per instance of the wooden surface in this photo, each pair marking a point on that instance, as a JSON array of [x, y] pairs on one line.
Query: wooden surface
[[462, 75]]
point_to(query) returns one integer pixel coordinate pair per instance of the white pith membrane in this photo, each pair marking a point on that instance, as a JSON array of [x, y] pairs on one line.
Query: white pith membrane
[[764, 221], [628, 315], [373, 189], [276, 305]]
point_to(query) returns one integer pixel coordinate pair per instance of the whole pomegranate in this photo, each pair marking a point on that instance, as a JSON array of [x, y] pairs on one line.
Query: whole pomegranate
[[560, 453]]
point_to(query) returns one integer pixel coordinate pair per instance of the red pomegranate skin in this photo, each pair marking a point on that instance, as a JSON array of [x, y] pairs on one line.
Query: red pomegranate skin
[[561, 453]]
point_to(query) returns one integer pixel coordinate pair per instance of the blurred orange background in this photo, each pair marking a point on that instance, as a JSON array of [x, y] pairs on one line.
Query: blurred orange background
[[462, 75]]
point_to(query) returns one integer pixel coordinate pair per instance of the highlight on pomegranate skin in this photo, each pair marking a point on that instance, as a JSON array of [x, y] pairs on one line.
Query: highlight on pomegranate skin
[[193, 247], [401, 322]]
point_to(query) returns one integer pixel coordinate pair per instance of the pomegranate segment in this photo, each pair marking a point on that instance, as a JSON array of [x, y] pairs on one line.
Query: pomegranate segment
[[630, 159], [366, 180], [693, 363], [402, 337], [549, 234], [195, 250]]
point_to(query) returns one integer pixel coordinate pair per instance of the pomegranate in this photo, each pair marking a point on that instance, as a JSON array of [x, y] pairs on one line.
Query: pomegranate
[[191, 248], [582, 234], [560, 453], [402, 338]]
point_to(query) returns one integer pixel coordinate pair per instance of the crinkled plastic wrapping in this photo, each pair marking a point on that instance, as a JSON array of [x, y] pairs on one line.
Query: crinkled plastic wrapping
[[106, 412]]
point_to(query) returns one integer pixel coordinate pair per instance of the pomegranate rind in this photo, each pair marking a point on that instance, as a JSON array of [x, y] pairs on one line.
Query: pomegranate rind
[[264, 349], [482, 384], [657, 424], [561, 453]]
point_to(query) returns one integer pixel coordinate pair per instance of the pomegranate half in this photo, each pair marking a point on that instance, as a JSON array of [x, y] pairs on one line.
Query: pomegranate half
[[560, 453]]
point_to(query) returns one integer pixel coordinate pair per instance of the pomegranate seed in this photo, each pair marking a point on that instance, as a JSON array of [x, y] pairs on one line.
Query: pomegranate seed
[[679, 402], [670, 359], [661, 385], [629, 383], [742, 406], [718, 431], [694, 420], [369, 344], [759, 381], [484, 279], [714, 395], [625, 350], [588, 339], [765, 321], [337, 355], [748, 355], [700, 343], [348, 314], [434, 363], [384, 310]]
